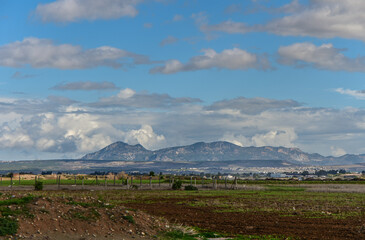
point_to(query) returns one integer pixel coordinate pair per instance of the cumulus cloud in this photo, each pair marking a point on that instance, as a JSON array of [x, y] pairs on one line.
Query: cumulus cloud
[[63, 127], [70, 133], [43, 53], [146, 137], [358, 94], [75, 10], [232, 59], [128, 98], [317, 18], [322, 57], [337, 151], [274, 138], [85, 86], [323, 19], [168, 40]]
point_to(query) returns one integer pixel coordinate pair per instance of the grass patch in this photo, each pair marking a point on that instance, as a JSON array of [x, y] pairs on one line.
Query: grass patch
[[8, 226], [129, 218], [177, 234], [262, 237]]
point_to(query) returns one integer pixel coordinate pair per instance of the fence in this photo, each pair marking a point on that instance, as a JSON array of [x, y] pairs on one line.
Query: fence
[[113, 181]]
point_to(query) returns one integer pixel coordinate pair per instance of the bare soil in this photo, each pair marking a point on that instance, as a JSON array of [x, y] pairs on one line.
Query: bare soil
[[55, 218], [254, 222]]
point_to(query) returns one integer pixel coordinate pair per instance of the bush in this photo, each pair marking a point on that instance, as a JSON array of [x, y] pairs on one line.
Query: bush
[[191, 188], [8, 226], [177, 185], [129, 218], [38, 186]]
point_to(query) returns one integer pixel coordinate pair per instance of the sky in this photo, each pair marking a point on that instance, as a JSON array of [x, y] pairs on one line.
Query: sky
[[77, 75]]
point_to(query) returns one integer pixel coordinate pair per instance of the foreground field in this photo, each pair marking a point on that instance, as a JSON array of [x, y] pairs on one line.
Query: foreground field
[[268, 212]]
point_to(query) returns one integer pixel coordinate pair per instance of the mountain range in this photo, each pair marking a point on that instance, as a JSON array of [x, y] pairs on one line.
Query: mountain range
[[217, 151]]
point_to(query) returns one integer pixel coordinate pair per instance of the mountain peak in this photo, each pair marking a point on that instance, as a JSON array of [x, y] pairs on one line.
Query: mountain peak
[[214, 151]]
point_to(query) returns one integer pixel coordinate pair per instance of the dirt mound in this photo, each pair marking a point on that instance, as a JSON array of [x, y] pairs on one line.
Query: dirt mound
[[85, 218]]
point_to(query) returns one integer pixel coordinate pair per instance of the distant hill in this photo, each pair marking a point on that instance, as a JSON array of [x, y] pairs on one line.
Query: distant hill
[[216, 151]]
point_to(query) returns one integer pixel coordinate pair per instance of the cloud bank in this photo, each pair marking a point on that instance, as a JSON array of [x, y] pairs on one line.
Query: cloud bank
[[67, 128]]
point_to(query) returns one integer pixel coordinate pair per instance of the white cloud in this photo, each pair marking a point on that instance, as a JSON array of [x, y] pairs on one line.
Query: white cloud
[[128, 98], [75, 10], [43, 53], [317, 18], [358, 94], [322, 57], [232, 59], [337, 151], [146, 137], [274, 138], [324, 19], [252, 105], [61, 127]]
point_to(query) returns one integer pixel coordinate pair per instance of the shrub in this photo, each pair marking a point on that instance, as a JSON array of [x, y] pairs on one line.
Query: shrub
[[38, 186], [129, 218], [191, 188], [177, 185], [134, 187], [8, 226]]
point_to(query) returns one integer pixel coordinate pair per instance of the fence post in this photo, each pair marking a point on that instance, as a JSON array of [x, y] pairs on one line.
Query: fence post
[[131, 180], [11, 181], [202, 182], [59, 181], [1, 180], [105, 182], [83, 178], [159, 181], [114, 179], [127, 182], [191, 180], [235, 182], [140, 181], [19, 179], [195, 181], [96, 179], [75, 179], [225, 183], [151, 182]]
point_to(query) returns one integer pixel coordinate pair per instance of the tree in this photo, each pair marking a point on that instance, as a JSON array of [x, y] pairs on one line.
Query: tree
[[152, 173]]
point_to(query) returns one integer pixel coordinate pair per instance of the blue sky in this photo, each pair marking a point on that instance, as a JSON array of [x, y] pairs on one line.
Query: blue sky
[[77, 75]]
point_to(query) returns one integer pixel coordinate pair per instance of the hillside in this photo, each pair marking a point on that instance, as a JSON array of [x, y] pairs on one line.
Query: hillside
[[216, 151]]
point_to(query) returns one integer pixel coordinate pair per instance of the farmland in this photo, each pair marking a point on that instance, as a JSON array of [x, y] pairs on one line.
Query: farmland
[[255, 211]]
